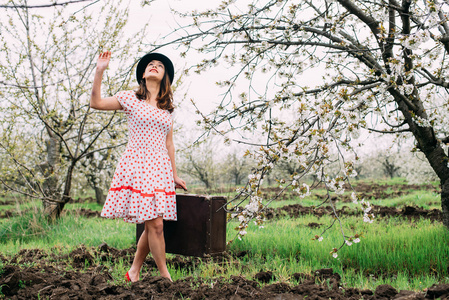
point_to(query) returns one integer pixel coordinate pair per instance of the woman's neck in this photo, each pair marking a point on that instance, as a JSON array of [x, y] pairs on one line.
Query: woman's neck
[[154, 88]]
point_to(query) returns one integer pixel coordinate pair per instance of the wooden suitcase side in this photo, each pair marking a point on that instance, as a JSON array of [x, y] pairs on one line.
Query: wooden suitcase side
[[218, 225]]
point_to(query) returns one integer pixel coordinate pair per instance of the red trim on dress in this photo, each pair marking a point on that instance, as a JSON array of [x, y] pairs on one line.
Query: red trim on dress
[[140, 192]]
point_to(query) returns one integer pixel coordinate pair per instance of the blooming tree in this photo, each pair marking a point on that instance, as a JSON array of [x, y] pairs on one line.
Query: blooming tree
[[382, 67], [46, 126]]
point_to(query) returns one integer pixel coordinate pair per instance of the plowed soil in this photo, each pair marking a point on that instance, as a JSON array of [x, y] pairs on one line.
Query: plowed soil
[[409, 212], [67, 277]]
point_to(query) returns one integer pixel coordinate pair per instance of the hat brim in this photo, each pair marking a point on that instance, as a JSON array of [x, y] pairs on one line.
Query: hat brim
[[147, 58]]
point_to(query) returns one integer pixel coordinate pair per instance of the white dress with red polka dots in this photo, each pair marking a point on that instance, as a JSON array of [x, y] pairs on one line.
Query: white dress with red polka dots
[[143, 187]]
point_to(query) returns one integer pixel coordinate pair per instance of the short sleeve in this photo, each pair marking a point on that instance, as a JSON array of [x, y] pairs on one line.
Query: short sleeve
[[125, 99], [172, 115]]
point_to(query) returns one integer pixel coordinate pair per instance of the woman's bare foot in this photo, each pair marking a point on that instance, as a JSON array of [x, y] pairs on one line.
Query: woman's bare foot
[[133, 275]]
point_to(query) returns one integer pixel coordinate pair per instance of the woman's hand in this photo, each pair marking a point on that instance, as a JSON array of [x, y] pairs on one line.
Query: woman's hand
[[103, 60], [96, 101], [180, 184]]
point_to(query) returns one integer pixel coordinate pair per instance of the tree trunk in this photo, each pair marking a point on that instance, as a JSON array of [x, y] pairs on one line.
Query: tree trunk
[[432, 148], [207, 183], [99, 196], [445, 202], [389, 168], [67, 185], [237, 179], [439, 162], [52, 210], [50, 185]]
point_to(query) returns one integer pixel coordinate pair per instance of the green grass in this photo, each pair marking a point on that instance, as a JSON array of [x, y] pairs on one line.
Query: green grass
[[32, 230], [424, 199], [389, 248], [86, 205]]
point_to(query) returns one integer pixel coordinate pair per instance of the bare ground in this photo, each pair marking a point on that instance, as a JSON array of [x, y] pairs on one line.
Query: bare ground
[[67, 277]]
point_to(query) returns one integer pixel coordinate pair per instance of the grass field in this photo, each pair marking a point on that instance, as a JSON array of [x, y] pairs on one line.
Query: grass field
[[409, 254]]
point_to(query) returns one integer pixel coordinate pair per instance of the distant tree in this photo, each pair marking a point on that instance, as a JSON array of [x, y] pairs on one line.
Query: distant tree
[[236, 167], [47, 127], [383, 67], [98, 168], [291, 167], [199, 161], [390, 169]]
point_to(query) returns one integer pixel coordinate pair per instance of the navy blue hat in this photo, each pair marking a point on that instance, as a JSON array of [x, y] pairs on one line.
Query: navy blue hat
[[147, 58]]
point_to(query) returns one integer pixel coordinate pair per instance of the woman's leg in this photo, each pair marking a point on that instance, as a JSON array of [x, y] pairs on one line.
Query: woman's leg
[[156, 242], [141, 253]]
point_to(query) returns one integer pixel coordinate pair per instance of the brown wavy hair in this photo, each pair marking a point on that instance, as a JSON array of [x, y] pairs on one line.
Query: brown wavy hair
[[165, 96]]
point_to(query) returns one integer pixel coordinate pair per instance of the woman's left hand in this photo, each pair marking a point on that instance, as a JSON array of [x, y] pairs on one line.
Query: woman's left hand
[[180, 184]]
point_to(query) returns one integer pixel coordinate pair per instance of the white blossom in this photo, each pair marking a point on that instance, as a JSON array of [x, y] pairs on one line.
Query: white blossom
[[252, 207], [354, 198], [304, 35], [303, 191], [406, 89], [368, 218], [433, 19], [421, 122]]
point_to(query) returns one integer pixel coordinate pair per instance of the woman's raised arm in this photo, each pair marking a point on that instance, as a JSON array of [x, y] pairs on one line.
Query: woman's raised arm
[[108, 103]]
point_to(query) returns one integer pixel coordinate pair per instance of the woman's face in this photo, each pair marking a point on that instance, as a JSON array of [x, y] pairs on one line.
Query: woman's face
[[155, 70]]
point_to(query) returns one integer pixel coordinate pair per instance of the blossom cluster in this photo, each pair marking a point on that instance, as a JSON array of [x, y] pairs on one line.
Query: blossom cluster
[[250, 212], [421, 121]]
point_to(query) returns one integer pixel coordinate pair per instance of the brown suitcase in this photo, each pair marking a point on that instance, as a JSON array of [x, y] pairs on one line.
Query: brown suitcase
[[200, 228]]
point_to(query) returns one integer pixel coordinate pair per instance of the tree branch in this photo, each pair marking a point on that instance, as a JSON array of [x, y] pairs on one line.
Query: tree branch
[[388, 50], [43, 5], [7, 186], [368, 20], [391, 131]]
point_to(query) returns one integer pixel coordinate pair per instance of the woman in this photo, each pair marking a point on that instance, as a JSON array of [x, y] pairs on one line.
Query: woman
[[143, 186]]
